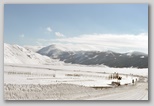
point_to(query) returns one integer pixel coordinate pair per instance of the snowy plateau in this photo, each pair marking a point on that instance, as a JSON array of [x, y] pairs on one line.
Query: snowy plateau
[[58, 73]]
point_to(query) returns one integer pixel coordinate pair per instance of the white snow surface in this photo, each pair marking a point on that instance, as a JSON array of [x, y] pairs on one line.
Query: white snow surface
[[19, 55], [69, 74]]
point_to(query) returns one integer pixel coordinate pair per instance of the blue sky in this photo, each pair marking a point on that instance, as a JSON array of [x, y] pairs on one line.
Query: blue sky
[[34, 24]]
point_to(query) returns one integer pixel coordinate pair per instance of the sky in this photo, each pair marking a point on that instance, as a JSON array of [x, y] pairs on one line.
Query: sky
[[116, 27]]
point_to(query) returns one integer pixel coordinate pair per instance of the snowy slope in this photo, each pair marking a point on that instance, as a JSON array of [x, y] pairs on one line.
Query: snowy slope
[[19, 55]]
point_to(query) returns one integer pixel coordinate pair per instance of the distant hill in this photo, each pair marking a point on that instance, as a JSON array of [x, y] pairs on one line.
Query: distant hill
[[19, 55], [108, 58]]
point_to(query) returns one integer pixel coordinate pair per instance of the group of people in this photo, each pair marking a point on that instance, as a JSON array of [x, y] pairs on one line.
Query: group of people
[[115, 76], [133, 81]]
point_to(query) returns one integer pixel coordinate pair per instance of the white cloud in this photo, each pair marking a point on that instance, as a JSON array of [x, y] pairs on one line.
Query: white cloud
[[49, 29], [103, 42], [22, 36], [58, 34]]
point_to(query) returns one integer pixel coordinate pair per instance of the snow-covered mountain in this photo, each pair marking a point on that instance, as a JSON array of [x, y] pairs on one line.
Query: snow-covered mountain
[[108, 58], [53, 53], [19, 55]]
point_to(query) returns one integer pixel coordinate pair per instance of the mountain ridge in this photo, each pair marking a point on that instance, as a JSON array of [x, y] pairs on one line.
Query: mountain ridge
[[108, 58]]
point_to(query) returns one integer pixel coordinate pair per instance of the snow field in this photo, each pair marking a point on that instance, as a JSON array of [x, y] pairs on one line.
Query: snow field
[[20, 74]]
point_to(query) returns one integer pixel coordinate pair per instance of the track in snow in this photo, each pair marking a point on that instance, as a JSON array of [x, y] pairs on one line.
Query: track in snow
[[137, 92]]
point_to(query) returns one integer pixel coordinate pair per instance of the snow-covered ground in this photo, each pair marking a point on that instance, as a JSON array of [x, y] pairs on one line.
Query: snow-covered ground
[[75, 82], [71, 74], [26, 73]]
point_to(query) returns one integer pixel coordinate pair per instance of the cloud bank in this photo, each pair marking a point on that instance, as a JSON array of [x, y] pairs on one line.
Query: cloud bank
[[102, 42]]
